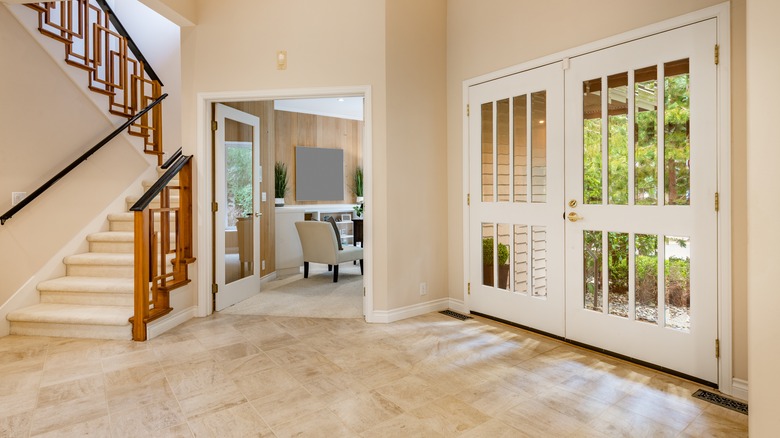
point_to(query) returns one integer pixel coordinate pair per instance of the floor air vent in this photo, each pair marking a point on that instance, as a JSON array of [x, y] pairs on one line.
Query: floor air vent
[[722, 401], [455, 315]]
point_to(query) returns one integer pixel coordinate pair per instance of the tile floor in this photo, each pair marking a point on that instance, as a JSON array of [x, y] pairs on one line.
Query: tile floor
[[429, 376]]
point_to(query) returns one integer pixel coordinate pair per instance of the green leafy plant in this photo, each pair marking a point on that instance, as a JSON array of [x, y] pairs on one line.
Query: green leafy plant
[[280, 179], [358, 210], [357, 181], [487, 252]]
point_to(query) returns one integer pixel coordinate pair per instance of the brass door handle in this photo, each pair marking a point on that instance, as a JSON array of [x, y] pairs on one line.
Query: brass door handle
[[258, 214], [574, 217]]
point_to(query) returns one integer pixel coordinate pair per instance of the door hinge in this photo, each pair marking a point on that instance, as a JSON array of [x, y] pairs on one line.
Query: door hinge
[[717, 348], [214, 207], [214, 288], [717, 54], [468, 110], [214, 125], [469, 288], [364, 291], [468, 199], [717, 201]]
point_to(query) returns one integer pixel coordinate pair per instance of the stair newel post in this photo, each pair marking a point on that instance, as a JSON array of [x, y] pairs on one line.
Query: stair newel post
[[141, 276]]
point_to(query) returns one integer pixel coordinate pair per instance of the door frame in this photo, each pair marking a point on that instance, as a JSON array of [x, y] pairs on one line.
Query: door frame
[[204, 247], [721, 13]]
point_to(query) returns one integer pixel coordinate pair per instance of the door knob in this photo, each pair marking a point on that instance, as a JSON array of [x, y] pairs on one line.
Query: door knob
[[574, 217], [258, 214]]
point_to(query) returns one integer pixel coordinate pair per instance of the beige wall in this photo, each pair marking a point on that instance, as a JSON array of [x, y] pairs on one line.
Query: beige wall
[[763, 211], [47, 122], [486, 36], [416, 181], [337, 43]]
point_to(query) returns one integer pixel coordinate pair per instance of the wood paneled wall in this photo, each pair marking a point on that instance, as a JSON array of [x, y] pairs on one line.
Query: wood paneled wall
[[265, 111], [297, 129]]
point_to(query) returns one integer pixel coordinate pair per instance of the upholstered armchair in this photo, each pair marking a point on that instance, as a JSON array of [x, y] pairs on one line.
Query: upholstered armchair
[[321, 245]]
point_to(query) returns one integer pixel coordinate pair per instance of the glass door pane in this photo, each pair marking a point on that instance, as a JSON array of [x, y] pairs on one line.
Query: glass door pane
[[239, 193]]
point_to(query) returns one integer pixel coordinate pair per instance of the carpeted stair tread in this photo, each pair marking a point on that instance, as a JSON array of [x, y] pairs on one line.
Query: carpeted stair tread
[[73, 314], [111, 236], [88, 284], [100, 259]]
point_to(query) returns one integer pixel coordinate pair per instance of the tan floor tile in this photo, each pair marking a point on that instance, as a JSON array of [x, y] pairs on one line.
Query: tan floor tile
[[403, 425], [409, 392], [534, 418], [494, 429], [19, 402], [194, 378], [619, 422], [662, 408], [365, 410], [280, 408], [574, 405], [69, 413], [97, 427], [247, 365], [718, 422], [239, 421], [62, 392], [130, 360], [177, 353], [155, 416], [431, 375], [211, 399], [266, 382], [322, 423], [234, 351], [449, 416], [178, 431], [491, 398], [16, 424]]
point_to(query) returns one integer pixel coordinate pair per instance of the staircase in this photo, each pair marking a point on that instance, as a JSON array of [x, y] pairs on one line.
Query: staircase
[[95, 298]]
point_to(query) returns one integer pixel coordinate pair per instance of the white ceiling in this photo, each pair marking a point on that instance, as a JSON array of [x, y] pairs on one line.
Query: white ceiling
[[341, 107]]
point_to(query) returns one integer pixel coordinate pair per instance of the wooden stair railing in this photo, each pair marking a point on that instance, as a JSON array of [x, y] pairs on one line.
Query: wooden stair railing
[[162, 252], [97, 42]]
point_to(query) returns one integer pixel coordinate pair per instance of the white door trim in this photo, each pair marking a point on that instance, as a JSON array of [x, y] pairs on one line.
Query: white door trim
[[722, 13], [204, 245]]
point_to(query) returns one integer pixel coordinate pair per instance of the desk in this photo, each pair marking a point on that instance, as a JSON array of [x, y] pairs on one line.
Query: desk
[[358, 231]]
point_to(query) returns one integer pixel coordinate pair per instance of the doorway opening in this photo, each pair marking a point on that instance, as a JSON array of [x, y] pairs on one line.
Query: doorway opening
[[287, 120]]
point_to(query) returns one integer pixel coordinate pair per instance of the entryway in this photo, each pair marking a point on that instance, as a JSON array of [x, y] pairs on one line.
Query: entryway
[[593, 199]]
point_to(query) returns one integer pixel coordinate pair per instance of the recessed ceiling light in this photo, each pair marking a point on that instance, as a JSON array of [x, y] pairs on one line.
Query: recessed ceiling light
[[340, 99]]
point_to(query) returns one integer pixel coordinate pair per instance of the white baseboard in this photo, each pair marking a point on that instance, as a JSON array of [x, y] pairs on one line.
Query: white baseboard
[[156, 328], [385, 316], [739, 389], [458, 305]]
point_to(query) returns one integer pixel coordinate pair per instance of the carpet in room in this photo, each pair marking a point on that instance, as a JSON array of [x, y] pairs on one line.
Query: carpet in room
[[314, 297]]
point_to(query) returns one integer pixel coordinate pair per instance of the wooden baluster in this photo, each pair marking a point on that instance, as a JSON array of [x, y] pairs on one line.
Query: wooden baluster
[[141, 275]]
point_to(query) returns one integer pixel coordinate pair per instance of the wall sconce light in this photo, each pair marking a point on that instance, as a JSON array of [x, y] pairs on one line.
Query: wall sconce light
[[281, 60]]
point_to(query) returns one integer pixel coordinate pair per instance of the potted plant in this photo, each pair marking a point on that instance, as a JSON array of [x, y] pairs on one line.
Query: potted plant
[[357, 184], [280, 183], [487, 263]]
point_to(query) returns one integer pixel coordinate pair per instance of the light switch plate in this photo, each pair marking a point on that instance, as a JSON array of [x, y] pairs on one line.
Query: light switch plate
[[263, 197], [16, 197]]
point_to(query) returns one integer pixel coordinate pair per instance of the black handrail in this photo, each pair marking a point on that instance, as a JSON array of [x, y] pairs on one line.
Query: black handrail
[[15, 209], [130, 43], [170, 160], [158, 186]]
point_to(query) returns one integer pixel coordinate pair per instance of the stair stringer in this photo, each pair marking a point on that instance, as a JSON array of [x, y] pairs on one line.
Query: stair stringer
[[27, 294]]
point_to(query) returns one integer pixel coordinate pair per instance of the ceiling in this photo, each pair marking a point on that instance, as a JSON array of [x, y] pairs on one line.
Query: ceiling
[[340, 107]]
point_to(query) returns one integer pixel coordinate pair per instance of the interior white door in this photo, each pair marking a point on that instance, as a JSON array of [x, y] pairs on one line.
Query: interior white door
[[641, 161], [516, 193], [237, 219]]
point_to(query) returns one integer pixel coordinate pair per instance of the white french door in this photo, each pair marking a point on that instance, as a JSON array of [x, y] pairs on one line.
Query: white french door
[[516, 167], [237, 219], [641, 162], [610, 237]]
